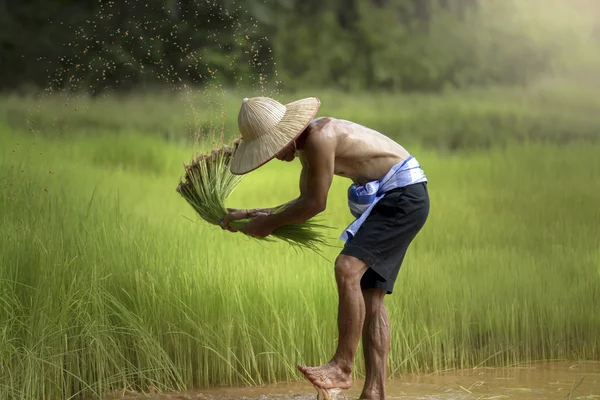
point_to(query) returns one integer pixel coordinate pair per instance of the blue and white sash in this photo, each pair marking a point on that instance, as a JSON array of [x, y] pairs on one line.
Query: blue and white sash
[[362, 199]]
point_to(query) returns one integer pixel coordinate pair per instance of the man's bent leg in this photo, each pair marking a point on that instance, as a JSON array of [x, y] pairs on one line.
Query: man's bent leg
[[376, 344], [351, 314]]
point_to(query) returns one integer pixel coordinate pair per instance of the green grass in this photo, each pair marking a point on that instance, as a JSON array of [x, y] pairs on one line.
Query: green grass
[[553, 110], [110, 281]]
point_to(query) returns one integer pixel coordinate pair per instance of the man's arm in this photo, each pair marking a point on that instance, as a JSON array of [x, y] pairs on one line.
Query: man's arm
[[257, 212], [315, 181], [236, 214]]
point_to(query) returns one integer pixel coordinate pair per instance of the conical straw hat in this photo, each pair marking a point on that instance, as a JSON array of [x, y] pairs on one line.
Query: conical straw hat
[[267, 127]]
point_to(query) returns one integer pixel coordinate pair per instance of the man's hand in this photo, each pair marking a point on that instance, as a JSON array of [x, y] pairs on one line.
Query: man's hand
[[258, 227], [233, 215]]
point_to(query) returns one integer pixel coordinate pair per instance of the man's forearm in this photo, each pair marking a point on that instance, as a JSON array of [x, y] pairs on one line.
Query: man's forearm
[[294, 212], [258, 212]]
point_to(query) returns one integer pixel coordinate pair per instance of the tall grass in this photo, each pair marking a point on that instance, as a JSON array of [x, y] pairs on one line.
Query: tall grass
[[555, 110], [109, 281]]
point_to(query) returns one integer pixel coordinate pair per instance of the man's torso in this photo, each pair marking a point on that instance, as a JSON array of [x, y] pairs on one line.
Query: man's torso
[[361, 154]]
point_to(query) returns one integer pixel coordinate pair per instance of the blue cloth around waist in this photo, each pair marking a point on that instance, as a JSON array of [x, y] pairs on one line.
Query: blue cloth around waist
[[362, 199]]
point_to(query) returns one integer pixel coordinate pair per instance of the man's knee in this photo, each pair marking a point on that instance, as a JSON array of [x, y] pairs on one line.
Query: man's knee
[[349, 269]]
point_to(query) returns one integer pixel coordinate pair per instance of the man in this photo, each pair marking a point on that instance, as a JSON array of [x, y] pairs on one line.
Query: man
[[389, 198]]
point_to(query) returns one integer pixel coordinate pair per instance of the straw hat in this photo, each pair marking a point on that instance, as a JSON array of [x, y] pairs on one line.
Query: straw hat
[[267, 127]]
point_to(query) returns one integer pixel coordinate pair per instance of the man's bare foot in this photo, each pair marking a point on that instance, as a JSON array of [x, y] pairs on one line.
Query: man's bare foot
[[327, 376]]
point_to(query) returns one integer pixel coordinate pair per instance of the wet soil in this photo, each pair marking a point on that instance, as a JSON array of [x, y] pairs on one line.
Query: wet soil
[[552, 381]]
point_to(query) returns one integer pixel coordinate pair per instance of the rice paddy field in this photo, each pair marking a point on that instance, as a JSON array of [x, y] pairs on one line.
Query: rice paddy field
[[110, 282]]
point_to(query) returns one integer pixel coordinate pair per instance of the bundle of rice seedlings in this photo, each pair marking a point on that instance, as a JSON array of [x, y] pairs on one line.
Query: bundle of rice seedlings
[[208, 183]]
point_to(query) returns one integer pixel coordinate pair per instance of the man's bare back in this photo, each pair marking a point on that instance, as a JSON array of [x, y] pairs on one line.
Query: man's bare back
[[361, 154]]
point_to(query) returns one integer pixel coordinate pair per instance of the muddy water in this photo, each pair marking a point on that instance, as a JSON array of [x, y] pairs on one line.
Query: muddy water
[[565, 380]]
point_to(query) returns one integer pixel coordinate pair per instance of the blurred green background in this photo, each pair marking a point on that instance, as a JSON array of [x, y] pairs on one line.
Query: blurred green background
[[390, 45], [449, 73]]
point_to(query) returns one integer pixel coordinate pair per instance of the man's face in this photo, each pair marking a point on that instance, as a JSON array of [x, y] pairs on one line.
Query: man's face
[[287, 153]]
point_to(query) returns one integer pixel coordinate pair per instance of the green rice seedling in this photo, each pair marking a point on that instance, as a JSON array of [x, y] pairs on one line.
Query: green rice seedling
[[208, 183]]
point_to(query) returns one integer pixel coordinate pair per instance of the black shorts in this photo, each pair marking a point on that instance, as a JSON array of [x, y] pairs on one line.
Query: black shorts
[[383, 239]]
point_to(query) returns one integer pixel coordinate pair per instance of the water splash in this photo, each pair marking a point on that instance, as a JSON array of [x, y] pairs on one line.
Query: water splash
[[201, 50]]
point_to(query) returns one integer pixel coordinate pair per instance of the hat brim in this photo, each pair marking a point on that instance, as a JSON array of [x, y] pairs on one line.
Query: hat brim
[[251, 155]]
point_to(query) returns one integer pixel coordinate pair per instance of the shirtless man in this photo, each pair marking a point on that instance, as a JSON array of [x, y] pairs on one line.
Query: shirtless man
[[369, 263]]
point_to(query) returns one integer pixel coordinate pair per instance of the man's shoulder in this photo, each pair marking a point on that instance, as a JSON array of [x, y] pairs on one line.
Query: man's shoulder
[[320, 138], [321, 130], [321, 122], [332, 123], [326, 127]]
